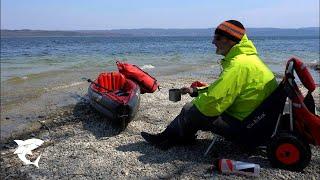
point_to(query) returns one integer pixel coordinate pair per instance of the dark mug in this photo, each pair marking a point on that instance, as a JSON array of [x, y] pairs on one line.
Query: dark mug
[[174, 95]]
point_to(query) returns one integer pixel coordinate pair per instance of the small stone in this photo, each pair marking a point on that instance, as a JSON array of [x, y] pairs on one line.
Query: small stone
[[27, 118], [124, 172], [40, 116], [282, 176], [7, 118]]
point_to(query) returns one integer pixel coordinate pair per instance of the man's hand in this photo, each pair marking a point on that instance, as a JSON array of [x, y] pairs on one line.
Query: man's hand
[[186, 90]]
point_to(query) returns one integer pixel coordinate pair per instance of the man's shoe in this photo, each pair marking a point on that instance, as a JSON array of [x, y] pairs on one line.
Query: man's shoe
[[159, 140], [154, 138]]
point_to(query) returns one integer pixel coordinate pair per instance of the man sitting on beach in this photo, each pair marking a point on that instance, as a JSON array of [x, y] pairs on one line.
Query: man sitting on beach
[[220, 107]]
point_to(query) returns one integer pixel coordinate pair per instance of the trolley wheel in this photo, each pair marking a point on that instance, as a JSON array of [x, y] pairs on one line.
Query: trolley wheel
[[289, 151]]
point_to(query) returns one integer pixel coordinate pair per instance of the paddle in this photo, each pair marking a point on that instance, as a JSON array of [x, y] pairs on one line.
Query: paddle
[[98, 85]]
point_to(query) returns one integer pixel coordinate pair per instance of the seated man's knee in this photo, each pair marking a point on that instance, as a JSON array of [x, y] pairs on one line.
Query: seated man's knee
[[224, 128], [187, 106]]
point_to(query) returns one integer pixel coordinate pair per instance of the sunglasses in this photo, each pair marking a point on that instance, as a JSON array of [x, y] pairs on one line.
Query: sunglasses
[[216, 38]]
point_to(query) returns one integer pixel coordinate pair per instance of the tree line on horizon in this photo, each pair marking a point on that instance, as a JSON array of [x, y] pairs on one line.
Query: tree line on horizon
[[311, 31]]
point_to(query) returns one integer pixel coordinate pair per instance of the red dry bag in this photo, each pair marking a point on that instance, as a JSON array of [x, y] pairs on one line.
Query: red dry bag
[[147, 83]]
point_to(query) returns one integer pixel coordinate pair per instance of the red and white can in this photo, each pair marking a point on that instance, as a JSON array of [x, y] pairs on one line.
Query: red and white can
[[228, 166]]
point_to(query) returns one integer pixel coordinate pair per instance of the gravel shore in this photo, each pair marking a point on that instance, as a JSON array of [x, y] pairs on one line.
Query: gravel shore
[[81, 144]]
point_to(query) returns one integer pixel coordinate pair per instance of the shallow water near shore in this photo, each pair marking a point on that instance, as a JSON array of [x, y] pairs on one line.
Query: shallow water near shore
[[39, 75]]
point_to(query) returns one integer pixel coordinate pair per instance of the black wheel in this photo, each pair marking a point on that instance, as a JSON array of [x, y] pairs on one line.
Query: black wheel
[[289, 151]]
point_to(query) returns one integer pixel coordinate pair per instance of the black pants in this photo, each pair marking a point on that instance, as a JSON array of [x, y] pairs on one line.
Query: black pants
[[190, 120]]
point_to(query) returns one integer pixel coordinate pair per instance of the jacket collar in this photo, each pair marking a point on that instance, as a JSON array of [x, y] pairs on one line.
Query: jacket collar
[[245, 46]]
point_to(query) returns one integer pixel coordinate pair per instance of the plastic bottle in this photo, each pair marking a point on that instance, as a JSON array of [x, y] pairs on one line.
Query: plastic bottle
[[227, 166]]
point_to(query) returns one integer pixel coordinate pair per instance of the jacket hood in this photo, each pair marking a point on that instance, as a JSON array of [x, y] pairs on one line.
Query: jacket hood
[[245, 46]]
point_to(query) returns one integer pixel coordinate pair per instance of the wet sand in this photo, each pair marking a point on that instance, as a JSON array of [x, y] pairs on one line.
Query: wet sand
[[82, 144]]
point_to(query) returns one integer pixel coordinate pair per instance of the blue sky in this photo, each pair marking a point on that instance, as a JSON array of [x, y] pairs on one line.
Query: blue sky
[[128, 14]]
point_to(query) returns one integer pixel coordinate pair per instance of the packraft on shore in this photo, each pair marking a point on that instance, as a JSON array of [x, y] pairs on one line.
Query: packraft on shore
[[117, 94]]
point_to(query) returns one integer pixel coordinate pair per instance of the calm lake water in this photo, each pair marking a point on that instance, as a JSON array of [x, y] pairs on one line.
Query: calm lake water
[[24, 57]]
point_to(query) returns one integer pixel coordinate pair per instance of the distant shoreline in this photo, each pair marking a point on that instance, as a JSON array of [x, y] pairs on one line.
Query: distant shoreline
[[310, 31]]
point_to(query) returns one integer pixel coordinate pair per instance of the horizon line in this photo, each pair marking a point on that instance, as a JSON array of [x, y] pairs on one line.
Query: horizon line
[[148, 28]]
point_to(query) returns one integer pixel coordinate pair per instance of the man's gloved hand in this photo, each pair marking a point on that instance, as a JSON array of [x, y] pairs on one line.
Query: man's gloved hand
[[186, 90]]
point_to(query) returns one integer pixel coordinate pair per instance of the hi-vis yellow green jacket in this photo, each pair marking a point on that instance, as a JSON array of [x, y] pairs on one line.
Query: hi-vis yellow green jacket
[[244, 83]]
